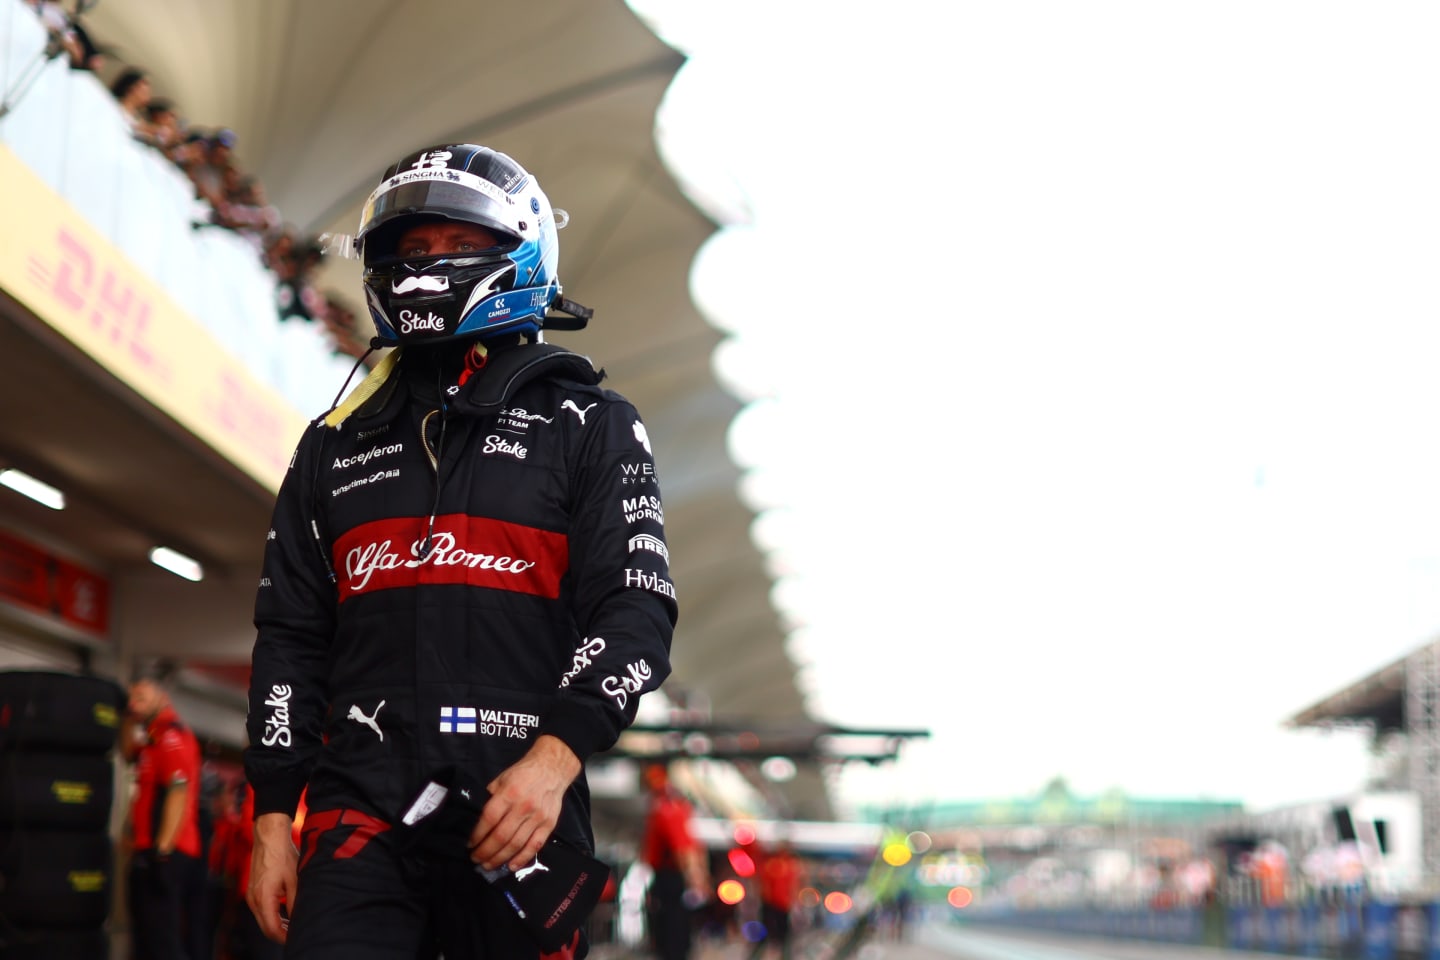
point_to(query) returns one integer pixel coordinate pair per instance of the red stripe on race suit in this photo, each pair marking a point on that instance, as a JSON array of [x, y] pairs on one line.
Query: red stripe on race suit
[[318, 822], [566, 952], [478, 551]]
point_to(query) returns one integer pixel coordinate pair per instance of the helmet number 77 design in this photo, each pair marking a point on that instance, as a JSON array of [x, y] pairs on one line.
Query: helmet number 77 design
[[440, 158]]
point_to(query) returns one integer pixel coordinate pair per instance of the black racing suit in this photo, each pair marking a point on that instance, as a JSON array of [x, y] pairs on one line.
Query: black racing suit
[[543, 606]]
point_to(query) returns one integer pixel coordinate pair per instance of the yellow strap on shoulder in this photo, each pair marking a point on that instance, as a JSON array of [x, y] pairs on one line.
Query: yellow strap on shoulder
[[364, 390]]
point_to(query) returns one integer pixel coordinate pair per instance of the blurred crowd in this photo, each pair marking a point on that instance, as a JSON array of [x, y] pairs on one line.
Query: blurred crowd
[[230, 198]]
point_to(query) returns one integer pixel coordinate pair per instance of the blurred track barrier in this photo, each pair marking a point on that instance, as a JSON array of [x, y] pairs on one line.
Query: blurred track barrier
[[1343, 927]]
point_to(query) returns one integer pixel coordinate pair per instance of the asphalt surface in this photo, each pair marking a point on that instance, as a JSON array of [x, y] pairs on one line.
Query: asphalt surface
[[947, 942]]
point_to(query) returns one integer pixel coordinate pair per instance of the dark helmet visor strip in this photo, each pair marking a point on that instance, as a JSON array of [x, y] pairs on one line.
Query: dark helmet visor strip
[[434, 198]]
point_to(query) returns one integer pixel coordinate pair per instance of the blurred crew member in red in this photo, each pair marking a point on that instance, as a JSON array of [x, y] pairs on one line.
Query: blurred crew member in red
[[167, 875], [781, 877], [681, 876], [462, 585]]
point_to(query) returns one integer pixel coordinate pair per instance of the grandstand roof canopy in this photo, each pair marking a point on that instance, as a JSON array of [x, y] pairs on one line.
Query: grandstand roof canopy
[[322, 95], [1377, 700]]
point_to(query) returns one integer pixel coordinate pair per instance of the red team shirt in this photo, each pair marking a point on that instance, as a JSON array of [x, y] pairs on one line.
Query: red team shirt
[[171, 754], [667, 833], [780, 881]]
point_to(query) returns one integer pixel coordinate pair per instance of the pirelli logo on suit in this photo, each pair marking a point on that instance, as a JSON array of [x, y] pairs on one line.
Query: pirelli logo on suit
[[476, 551]]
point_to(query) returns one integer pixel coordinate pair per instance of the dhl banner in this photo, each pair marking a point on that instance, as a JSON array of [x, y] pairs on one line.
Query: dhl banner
[[72, 278]]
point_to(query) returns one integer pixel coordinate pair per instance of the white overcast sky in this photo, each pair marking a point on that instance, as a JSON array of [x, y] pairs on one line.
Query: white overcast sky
[[1095, 352]]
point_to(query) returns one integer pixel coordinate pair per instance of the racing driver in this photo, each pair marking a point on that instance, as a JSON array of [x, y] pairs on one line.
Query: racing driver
[[466, 571]]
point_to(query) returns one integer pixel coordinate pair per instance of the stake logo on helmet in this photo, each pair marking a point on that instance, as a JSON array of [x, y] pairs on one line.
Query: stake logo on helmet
[[470, 295]]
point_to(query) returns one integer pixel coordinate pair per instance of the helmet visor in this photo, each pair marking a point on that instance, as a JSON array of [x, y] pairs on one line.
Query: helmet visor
[[447, 193]]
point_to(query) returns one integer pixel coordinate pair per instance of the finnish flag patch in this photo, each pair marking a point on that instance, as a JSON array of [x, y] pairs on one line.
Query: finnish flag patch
[[457, 719]]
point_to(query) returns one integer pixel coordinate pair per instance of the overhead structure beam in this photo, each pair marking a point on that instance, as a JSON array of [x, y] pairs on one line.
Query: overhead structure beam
[[804, 743]]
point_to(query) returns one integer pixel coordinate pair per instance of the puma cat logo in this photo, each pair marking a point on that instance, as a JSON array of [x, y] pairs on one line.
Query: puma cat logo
[[358, 716], [570, 405]]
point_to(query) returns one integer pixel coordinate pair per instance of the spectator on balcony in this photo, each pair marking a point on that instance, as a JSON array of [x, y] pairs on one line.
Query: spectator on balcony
[[245, 210], [58, 25], [342, 328], [163, 130], [190, 153], [294, 260], [280, 255], [208, 174], [92, 55], [131, 90]]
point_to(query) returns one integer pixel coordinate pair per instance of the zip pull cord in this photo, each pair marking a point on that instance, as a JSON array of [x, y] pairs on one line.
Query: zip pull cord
[[320, 545], [428, 543], [475, 360]]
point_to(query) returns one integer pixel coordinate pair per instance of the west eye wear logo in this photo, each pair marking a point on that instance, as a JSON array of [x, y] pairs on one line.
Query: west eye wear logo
[[474, 551], [635, 474]]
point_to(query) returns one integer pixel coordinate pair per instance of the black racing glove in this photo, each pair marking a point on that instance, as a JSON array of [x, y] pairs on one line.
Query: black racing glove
[[551, 897]]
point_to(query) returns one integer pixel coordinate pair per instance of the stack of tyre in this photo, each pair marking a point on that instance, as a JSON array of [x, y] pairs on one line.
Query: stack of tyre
[[57, 785]]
